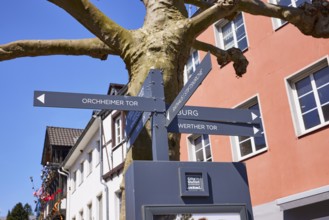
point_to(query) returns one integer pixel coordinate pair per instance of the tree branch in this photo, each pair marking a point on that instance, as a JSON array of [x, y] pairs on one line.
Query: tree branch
[[31, 48], [220, 9], [112, 34], [240, 62], [310, 19]]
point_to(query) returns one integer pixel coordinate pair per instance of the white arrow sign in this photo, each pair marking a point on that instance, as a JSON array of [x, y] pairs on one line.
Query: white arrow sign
[[42, 98], [253, 116]]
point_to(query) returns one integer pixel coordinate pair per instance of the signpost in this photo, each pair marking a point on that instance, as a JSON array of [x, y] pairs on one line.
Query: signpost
[[192, 84], [149, 103], [133, 117], [181, 183], [137, 129]]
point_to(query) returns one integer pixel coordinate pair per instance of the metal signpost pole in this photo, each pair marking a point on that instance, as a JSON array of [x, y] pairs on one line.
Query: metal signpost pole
[[159, 131]]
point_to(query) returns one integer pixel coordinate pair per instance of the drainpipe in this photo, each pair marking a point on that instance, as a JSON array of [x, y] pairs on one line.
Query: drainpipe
[[67, 174], [101, 168]]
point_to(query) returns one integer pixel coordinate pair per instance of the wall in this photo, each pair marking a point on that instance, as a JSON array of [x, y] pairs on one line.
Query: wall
[[291, 164]]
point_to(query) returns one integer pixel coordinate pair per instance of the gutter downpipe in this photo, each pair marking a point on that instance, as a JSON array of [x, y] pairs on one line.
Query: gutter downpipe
[[67, 174], [102, 169]]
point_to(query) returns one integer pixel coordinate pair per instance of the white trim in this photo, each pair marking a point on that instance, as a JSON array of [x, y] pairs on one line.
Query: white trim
[[219, 42], [275, 21], [304, 198], [234, 139], [291, 93], [194, 65], [190, 145]]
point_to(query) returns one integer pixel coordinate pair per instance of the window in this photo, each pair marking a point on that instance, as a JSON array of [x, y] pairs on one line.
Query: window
[[90, 211], [98, 152], [245, 146], [100, 207], [295, 3], [117, 129], [74, 185], [309, 97], [192, 62], [231, 34], [81, 215], [81, 172], [200, 149], [118, 198], [90, 161]]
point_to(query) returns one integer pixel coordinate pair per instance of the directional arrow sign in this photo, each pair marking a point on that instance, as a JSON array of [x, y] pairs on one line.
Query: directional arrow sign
[[192, 84], [138, 128], [216, 128], [134, 116], [154, 80], [91, 101], [41, 98], [219, 114]]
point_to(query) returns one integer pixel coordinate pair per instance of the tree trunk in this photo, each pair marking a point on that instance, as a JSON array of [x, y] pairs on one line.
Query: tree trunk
[[163, 43]]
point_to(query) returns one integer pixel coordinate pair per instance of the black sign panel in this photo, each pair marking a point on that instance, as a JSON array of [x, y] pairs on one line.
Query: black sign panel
[[187, 91], [138, 128], [219, 114], [91, 101], [216, 128], [134, 116]]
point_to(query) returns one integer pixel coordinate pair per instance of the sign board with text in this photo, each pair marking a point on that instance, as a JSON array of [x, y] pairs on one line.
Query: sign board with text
[[133, 117], [214, 128], [187, 91], [92, 101], [150, 104], [219, 114]]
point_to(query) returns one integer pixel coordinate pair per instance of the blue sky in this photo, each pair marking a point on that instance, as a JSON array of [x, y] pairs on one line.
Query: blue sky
[[22, 127]]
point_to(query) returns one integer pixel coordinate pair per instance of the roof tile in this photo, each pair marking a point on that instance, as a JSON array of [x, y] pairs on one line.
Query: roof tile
[[63, 136]]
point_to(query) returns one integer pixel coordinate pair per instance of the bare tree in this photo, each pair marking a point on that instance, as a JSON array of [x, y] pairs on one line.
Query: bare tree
[[164, 42]]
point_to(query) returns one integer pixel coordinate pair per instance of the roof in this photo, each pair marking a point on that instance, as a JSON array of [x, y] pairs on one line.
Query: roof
[[58, 136], [63, 136], [115, 89]]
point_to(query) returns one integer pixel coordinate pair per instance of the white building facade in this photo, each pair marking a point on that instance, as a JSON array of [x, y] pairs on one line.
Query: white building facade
[[94, 169]]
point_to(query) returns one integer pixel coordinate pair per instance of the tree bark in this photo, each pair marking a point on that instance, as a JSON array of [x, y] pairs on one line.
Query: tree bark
[[30, 48]]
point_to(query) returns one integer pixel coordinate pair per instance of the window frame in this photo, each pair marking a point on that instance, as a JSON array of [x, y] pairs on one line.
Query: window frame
[[235, 143], [90, 211], [82, 168], [277, 23], [191, 147], [195, 63], [295, 110], [98, 152], [219, 35], [74, 180], [90, 162], [100, 207], [118, 203], [81, 214], [115, 117]]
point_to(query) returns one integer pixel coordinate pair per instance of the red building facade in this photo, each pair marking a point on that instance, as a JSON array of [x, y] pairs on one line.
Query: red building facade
[[288, 81]]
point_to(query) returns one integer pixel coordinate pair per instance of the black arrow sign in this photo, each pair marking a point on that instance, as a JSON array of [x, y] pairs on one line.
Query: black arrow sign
[[219, 114], [92, 101], [187, 91], [216, 128]]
